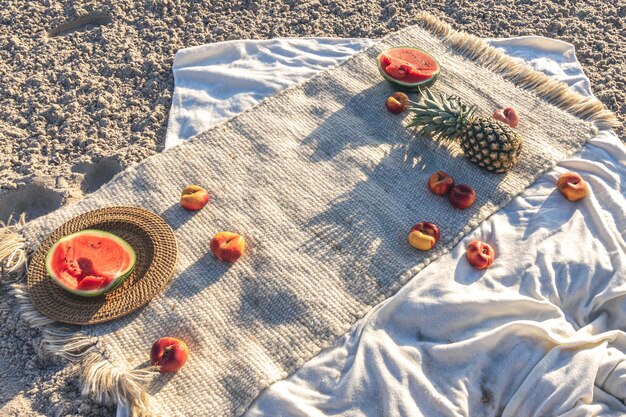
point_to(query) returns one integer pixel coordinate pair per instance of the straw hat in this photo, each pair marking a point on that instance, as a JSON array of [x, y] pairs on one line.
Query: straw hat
[[155, 246]]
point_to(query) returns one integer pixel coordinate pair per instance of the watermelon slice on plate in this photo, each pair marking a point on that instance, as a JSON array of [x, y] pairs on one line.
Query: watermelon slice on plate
[[90, 262], [408, 68]]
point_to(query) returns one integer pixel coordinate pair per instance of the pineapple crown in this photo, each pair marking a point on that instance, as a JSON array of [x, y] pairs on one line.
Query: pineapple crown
[[443, 116]]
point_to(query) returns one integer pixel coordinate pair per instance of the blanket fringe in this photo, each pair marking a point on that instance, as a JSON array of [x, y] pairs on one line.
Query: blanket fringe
[[553, 92], [99, 378], [109, 384], [13, 250]]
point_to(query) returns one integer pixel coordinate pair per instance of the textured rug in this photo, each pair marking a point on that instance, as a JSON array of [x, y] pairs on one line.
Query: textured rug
[[324, 184]]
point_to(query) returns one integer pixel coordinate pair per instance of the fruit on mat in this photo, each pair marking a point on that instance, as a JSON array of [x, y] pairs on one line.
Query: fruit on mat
[[462, 196], [424, 235], [508, 116], [572, 186], [194, 197], [487, 142], [90, 262], [480, 254], [169, 354], [408, 68], [440, 183], [227, 246], [397, 102]]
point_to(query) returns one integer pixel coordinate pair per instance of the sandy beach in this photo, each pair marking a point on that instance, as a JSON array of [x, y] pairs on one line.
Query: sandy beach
[[85, 89]]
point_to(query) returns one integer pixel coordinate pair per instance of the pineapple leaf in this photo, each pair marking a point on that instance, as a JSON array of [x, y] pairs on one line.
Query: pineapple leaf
[[446, 104], [430, 95], [431, 104], [418, 120], [451, 131], [429, 129], [419, 106], [470, 112], [415, 123], [422, 132]]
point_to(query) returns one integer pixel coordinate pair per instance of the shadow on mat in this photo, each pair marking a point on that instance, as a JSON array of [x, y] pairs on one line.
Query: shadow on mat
[[365, 229], [176, 216]]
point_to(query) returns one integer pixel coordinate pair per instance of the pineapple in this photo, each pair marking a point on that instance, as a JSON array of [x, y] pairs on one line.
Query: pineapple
[[487, 142]]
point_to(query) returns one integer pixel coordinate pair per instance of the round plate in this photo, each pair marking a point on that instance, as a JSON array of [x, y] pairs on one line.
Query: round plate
[[155, 246]]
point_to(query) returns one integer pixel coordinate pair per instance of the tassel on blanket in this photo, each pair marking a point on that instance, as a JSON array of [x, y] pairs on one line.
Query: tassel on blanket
[[13, 250], [554, 92], [99, 378], [109, 384]]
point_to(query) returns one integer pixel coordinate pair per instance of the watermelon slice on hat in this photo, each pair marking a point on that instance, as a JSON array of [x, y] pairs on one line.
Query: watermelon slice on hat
[[408, 68]]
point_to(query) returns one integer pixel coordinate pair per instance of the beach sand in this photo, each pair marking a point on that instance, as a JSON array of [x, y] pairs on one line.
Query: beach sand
[[85, 88]]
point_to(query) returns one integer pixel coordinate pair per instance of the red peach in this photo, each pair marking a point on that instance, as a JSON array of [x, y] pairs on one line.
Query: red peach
[[440, 183], [508, 116], [194, 197], [424, 235], [462, 196], [401, 97], [480, 254], [227, 246], [572, 186], [397, 102], [169, 354]]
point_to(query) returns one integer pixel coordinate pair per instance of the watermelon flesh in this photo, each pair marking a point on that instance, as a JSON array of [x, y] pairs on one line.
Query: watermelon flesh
[[408, 66], [404, 71], [90, 262]]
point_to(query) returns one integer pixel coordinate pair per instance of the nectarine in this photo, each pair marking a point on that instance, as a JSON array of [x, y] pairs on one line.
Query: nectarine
[[480, 254], [462, 196], [397, 102], [169, 354], [194, 197], [440, 183], [424, 235], [508, 116], [572, 186], [227, 246]]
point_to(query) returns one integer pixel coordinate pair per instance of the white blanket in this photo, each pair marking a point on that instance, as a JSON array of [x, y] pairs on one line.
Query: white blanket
[[540, 333]]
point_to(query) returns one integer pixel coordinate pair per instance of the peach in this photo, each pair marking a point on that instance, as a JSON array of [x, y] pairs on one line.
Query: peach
[[194, 197], [440, 183], [572, 186], [508, 116], [462, 196], [227, 246], [424, 235], [480, 254], [169, 354], [397, 102]]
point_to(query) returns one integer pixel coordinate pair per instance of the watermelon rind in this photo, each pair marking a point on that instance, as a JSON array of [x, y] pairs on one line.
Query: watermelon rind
[[403, 86], [122, 275]]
